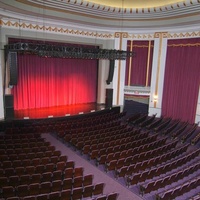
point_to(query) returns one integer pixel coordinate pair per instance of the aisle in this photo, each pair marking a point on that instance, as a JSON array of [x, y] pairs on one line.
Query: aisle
[[99, 176]]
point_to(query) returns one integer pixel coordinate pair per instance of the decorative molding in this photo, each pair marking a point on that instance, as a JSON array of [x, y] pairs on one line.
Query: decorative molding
[[62, 30], [161, 35], [137, 91], [184, 35], [142, 36], [121, 35]]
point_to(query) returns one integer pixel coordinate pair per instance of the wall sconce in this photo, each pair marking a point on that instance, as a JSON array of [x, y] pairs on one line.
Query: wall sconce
[[155, 98]]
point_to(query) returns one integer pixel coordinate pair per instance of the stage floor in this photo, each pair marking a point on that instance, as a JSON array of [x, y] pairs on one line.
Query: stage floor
[[59, 111]]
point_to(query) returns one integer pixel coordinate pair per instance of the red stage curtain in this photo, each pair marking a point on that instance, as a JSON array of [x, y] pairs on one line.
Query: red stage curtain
[[182, 79], [46, 82], [140, 71]]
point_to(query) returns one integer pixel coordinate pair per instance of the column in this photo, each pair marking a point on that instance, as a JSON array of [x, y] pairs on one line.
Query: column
[[158, 70]]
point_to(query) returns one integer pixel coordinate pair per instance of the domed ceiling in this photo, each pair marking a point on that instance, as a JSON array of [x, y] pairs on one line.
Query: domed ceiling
[[106, 14]]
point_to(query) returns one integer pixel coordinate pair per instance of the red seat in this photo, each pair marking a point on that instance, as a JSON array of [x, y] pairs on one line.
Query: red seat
[[60, 165], [88, 191], [112, 196], [54, 195], [34, 189], [98, 189], [56, 186], [78, 171], [87, 179], [65, 195], [22, 190], [57, 175], [77, 182], [35, 178], [42, 197], [29, 198], [14, 181], [77, 193], [9, 172], [67, 183], [13, 198], [45, 187]]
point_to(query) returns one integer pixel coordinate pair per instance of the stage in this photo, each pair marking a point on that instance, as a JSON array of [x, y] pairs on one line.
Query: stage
[[59, 111]]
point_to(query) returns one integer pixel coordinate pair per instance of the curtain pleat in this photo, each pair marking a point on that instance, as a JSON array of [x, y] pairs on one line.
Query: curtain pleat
[[46, 82], [182, 79]]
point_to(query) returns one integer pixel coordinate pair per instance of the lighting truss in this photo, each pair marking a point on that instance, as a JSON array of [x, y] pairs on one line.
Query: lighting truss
[[59, 51]]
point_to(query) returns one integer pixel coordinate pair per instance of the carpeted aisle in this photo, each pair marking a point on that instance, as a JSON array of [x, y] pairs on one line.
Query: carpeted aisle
[[99, 176]]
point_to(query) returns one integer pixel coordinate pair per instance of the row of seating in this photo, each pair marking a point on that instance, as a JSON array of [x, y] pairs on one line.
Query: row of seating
[[71, 175], [195, 197], [182, 128], [12, 155], [125, 145], [68, 195], [49, 187], [167, 126], [56, 182], [102, 157], [196, 139], [165, 122], [179, 190], [91, 130], [169, 179], [133, 169], [20, 136], [118, 163], [50, 167], [97, 135], [189, 133], [113, 164], [15, 160], [14, 145], [59, 125], [107, 145], [5, 140]]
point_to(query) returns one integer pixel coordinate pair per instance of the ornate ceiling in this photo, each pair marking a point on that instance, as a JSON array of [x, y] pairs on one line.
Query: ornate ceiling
[[135, 3], [106, 14]]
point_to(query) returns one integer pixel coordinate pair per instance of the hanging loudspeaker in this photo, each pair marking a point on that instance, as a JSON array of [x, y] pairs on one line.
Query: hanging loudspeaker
[[111, 72], [12, 57]]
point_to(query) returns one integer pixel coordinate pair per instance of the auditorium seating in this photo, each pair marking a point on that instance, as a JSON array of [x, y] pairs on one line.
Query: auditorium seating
[[148, 153], [36, 170]]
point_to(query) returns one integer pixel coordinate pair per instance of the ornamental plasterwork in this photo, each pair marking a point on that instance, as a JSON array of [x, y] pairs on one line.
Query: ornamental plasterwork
[[37, 27], [31, 26], [184, 35]]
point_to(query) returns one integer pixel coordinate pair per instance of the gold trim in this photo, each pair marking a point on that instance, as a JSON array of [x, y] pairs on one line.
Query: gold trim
[[160, 34], [143, 36], [148, 63], [184, 35], [54, 29], [121, 35], [130, 64], [184, 45], [140, 46]]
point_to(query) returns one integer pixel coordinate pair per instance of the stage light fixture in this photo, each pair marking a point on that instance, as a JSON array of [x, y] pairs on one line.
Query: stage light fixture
[[49, 50]]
